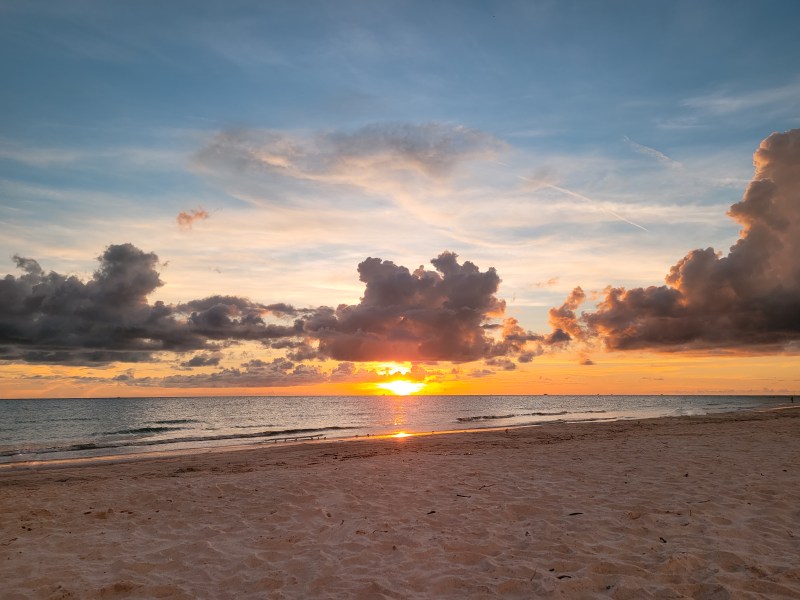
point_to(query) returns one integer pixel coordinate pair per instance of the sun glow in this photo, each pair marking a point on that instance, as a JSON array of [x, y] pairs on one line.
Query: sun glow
[[401, 387], [392, 368]]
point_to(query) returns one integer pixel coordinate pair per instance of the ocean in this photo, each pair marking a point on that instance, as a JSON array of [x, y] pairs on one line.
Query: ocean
[[52, 429]]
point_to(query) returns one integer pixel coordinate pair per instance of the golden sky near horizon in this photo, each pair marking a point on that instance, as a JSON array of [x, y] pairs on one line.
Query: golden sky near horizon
[[497, 199]]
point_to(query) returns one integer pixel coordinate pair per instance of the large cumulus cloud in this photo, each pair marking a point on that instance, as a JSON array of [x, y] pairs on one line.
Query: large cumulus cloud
[[451, 313], [54, 318], [748, 299], [424, 315]]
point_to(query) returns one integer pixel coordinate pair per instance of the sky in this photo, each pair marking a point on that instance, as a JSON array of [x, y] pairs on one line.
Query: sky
[[204, 198]]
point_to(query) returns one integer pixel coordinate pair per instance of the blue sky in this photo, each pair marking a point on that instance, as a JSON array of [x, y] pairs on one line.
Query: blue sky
[[564, 143]]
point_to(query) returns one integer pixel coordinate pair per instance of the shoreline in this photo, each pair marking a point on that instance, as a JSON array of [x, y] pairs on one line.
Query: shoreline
[[698, 506], [63, 430], [133, 456]]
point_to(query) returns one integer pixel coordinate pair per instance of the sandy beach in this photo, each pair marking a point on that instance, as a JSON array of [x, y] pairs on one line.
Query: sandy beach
[[688, 507]]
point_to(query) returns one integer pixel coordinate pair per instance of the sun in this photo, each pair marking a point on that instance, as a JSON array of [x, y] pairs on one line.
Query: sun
[[401, 387]]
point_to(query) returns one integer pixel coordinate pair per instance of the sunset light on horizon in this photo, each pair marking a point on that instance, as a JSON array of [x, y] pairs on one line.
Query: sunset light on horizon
[[400, 387], [496, 199], [313, 299]]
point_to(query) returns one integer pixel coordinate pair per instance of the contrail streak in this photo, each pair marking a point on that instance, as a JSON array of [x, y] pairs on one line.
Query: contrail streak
[[586, 198], [576, 195]]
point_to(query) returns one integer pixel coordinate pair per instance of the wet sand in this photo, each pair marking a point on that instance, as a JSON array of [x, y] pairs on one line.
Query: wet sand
[[688, 507]]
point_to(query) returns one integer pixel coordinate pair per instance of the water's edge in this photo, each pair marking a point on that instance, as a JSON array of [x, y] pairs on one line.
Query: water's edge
[[41, 430]]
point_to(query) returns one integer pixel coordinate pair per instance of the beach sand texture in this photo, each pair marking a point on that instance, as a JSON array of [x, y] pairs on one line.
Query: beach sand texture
[[688, 507]]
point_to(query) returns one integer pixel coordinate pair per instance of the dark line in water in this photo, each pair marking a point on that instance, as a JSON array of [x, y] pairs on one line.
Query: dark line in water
[[146, 442], [483, 418], [528, 414], [140, 431]]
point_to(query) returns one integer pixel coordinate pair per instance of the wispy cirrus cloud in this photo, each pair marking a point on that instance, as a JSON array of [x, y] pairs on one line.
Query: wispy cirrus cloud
[[784, 98], [98, 157], [359, 158], [652, 153], [406, 165], [38, 156]]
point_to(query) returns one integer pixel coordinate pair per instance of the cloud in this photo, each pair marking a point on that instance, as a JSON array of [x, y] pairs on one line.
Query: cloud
[[124, 377], [284, 372], [186, 219], [451, 313], [563, 319], [539, 182], [652, 153], [47, 317], [203, 360], [432, 149], [747, 300], [54, 318], [441, 315], [526, 357], [726, 102], [478, 373], [37, 157], [233, 318], [504, 364], [552, 281], [279, 372], [413, 166]]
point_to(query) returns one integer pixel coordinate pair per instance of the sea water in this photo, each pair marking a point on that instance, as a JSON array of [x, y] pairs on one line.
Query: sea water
[[49, 429]]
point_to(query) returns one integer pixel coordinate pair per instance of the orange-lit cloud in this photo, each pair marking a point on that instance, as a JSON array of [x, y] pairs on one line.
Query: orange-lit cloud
[[748, 299], [186, 219], [448, 314], [413, 316]]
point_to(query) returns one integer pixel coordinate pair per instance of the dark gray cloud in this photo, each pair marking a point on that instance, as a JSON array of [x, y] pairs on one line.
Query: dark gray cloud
[[48, 317], [233, 318], [424, 315], [279, 372], [282, 372], [203, 360], [748, 299], [526, 357], [503, 364], [451, 313], [54, 318]]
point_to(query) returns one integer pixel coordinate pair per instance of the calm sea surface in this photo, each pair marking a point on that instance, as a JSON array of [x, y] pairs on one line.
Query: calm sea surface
[[70, 428]]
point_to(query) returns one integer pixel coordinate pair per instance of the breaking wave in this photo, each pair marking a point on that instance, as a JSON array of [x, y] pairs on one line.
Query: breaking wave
[[560, 413], [144, 442]]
